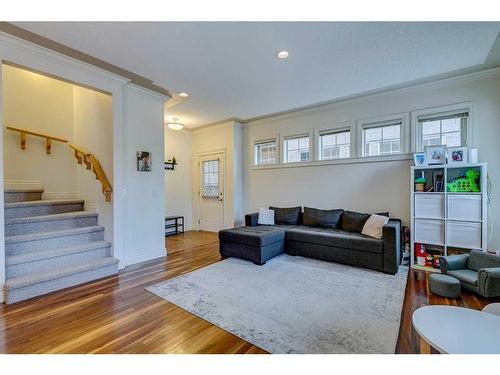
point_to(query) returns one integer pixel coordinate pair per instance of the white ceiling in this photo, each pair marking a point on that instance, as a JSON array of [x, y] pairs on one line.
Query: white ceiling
[[230, 69]]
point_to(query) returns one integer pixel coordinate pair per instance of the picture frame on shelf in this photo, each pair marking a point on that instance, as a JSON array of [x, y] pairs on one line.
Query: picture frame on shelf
[[438, 180], [420, 159], [436, 155], [457, 155]]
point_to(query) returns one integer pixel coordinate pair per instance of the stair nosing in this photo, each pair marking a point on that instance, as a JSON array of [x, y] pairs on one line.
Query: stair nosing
[[26, 280], [52, 234], [21, 190], [53, 202], [34, 256], [51, 217]]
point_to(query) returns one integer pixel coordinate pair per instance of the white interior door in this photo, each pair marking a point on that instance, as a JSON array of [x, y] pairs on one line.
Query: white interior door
[[211, 192]]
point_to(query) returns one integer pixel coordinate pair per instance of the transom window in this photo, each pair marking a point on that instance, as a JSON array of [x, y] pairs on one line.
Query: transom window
[[265, 153], [442, 129], [335, 144], [382, 138], [296, 149], [210, 179]]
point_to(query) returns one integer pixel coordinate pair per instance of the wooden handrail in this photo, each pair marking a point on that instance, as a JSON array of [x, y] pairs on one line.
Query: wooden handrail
[[91, 162], [48, 138]]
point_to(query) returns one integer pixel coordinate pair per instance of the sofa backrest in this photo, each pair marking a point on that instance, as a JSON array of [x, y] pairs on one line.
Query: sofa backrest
[[479, 259]]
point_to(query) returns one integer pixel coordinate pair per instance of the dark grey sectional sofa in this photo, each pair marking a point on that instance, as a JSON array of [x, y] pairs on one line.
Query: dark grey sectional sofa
[[259, 243]]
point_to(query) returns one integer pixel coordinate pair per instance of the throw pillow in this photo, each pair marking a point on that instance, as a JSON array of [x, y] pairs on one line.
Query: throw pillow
[[266, 217], [287, 215], [321, 218], [373, 226], [353, 221]]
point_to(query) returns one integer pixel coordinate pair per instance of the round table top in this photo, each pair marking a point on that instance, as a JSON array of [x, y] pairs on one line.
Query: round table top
[[458, 330]]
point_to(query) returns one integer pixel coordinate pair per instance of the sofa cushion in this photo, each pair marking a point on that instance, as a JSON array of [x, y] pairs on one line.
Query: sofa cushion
[[467, 276], [478, 259], [261, 235], [287, 215], [353, 221], [266, 217], [321, 218], [373, 226], [335, 238]]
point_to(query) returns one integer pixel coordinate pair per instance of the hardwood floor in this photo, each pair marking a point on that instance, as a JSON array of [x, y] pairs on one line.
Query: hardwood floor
[[116, 315]]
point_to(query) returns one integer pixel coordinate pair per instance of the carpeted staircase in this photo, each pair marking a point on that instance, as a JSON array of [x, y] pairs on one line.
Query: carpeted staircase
[[51, 245]]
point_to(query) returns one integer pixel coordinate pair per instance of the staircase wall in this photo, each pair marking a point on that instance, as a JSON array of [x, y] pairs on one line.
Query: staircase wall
[[42, 104], [93, 131]]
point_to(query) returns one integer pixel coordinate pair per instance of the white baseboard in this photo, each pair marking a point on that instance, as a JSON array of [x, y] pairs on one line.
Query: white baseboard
[[91, 207], [50, 195], [2, 294], [144, 257], [22, 184]]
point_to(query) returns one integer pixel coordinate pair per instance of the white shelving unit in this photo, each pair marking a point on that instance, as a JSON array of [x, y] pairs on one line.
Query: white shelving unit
[[448, 222]]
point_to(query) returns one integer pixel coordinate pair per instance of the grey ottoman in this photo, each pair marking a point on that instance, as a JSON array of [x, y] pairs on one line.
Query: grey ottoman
[[444, 285], [257, 244]]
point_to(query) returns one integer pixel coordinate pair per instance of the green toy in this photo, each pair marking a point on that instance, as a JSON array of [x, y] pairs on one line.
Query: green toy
[[465, 184]]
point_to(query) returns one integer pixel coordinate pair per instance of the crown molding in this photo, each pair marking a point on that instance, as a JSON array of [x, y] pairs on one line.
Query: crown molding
[[455, 77], [53, 46]]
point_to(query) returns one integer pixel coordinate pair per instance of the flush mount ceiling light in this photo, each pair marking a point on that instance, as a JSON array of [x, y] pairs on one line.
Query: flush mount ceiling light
[[183, 94], [175, 124], [282, 54]]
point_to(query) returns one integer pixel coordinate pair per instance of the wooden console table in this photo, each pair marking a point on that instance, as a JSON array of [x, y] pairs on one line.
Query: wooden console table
[[174, 225]]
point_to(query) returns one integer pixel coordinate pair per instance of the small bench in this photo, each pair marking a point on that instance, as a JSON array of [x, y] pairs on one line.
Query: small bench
[[257, 244], [444, 285]]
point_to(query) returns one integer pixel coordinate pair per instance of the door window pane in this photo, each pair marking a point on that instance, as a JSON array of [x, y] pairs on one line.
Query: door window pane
[[210, 179]]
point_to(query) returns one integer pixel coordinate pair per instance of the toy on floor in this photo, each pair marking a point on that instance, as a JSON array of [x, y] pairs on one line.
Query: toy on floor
[[469, 183]]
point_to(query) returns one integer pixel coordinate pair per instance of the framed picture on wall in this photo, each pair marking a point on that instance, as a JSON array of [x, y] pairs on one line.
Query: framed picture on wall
[[144, 161]]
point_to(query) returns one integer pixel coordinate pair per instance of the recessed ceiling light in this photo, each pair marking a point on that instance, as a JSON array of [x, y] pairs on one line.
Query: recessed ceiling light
[[175, 124], [183, 94], [282, 54]]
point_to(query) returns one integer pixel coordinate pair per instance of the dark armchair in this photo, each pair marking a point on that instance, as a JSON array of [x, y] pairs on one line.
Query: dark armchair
[[477, 271]]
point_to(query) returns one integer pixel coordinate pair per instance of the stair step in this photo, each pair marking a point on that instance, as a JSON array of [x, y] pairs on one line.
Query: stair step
[[47, 223], [25, 243], [47, 260], [29, 286], [41, 207], [22, 195]]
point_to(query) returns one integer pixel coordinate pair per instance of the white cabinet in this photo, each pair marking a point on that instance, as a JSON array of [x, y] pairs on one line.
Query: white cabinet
[[429, 231], [447, 218], [464, 234], [429, 205], [465, 207]]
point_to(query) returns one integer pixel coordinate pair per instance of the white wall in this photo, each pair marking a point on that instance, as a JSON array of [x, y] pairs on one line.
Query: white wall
[[378, 186], [144, 203], [41, 104], [217, 138], [178, 186], [93, 132]]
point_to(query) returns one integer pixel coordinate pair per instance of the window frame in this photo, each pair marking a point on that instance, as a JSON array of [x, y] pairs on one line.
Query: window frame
[[336, 130], [416, 133], [375, 122], [296, 136], [265, 141]]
